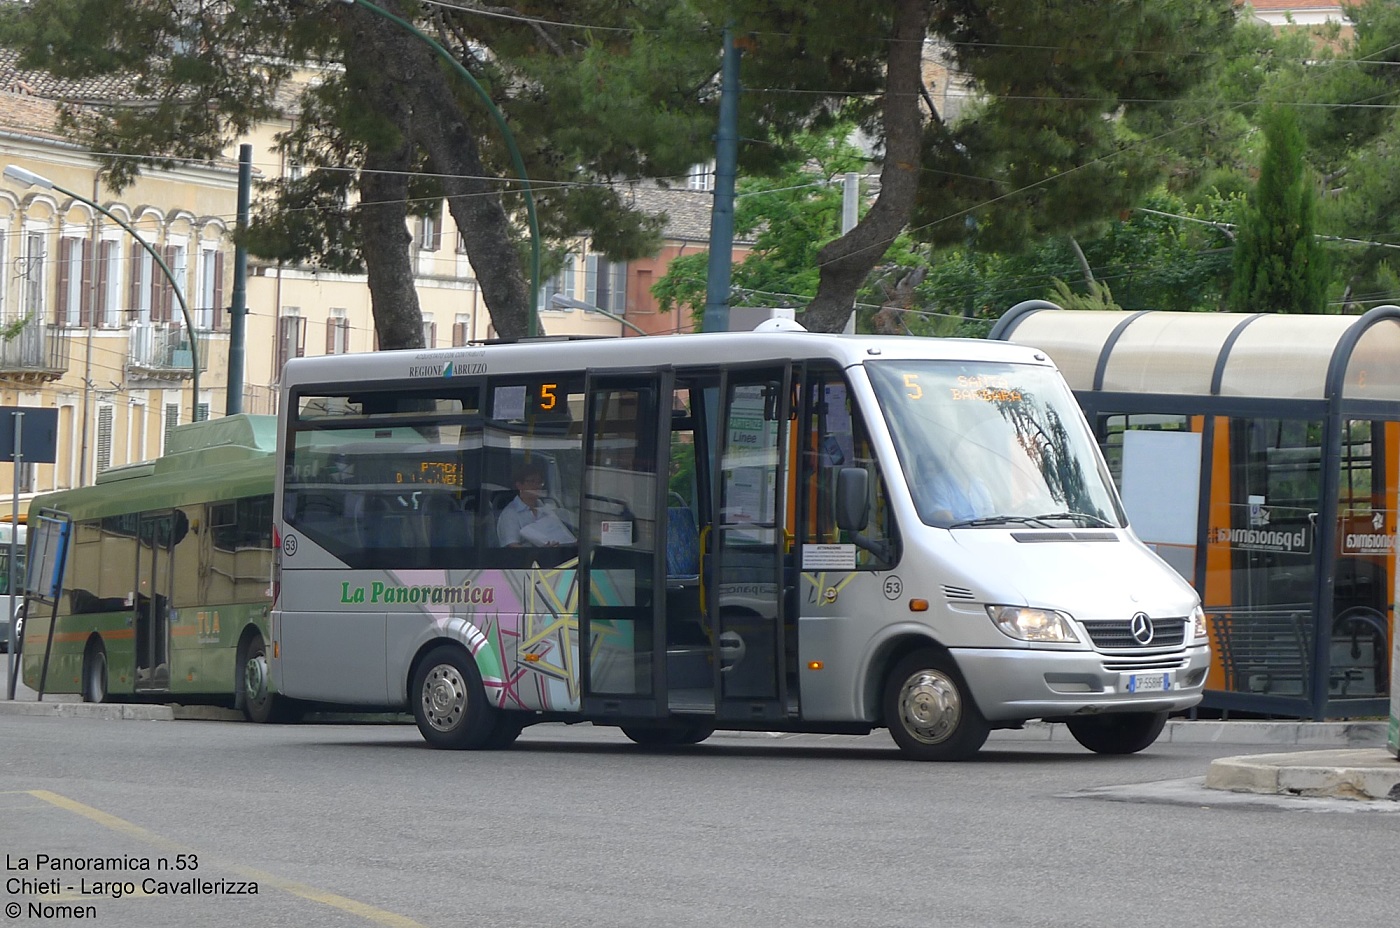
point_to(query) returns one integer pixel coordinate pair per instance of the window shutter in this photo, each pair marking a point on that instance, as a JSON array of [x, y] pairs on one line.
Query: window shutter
[[133, 286], [459, 334], [590, 280], [104, 438], [330, 336], [65, 255], [101, 302], [172, 419], [218, 291], [87, 297], [301, 336]]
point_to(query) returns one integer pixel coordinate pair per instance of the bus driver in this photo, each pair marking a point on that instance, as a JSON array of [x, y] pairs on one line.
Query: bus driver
[[527, 520]]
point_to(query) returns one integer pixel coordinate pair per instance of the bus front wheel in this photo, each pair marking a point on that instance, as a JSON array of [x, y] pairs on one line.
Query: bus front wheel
[[449, 701], [95, 673], [929, 711], [1117, 732]]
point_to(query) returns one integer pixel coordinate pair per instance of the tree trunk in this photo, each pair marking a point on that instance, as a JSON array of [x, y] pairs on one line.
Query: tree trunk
[[475, 204], [418, 82], [382, 213], [848, 260]]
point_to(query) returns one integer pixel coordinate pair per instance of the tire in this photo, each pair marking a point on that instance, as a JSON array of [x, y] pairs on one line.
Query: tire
[[19, 629], [258, 704], [504, 734], [95, 673], [449, 702], [930, 712], [1117, 732], [669, 735]]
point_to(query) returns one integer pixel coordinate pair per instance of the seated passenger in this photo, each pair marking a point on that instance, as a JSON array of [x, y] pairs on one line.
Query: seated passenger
[[528, 520]]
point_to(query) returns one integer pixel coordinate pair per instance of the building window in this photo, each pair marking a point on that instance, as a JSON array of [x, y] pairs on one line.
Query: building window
[[141, 289], [291, 337], [32, 273], [337, 332], [74, 280], [606, 284], [461, 330], [209, 308], [109, 283], [428, 234], [561, 284], [429, 332], [701, 177]]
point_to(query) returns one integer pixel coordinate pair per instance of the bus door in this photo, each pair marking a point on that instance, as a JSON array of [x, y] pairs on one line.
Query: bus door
[[621, 577], [157, 533], [745, 597]]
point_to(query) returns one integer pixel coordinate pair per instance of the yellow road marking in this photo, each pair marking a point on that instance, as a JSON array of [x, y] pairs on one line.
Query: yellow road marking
[[310, 893]]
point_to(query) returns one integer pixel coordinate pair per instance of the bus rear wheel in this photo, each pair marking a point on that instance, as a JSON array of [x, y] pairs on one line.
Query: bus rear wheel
[[929, 711], [95, 673], [668, 735], [449, 702], [1117, 732]]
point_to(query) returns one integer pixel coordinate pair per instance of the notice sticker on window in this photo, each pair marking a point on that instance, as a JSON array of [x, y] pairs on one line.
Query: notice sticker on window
[[616, 534], [828, 557]]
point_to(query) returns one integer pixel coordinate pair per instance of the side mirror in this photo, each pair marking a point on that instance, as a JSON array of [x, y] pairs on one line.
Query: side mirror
[[852, 499]]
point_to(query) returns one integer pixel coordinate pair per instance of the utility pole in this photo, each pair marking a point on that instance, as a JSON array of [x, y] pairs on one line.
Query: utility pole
[[238, 309], [716, 317]]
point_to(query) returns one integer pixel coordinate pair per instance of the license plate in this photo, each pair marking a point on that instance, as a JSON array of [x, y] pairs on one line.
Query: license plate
[[1148, 682]]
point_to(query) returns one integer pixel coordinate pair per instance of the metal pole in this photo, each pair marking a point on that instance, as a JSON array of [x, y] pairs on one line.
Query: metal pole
[[14, 530], [717, 280], [238, 309], [533, 323], [850, 203]]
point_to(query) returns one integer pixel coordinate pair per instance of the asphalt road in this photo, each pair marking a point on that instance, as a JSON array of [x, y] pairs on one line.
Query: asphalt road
[[575, 826]]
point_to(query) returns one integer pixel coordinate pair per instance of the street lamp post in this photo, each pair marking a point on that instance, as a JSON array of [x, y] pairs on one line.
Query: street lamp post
[[560, 301], [30, 179], [532, 324]]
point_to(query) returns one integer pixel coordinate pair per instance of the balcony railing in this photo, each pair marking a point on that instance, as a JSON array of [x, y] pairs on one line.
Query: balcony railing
[[162, 349], [33, 350]]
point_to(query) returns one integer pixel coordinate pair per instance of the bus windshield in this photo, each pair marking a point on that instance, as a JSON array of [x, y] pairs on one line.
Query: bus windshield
[[993, 444]]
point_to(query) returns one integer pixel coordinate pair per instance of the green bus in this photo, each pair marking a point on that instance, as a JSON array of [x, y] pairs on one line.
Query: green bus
[[167, 584]]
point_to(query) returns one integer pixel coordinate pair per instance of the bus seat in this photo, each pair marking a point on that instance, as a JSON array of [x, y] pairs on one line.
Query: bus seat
[[447, 525], [682, 546]]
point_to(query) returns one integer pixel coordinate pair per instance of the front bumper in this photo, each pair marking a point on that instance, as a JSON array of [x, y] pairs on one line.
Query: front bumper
[[1015, 684]]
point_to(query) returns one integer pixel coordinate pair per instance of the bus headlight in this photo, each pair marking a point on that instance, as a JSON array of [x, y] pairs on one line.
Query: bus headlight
[[1027, 624], [1198, 624]]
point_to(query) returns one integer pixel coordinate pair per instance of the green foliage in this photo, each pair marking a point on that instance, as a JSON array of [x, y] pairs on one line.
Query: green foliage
[[1099, 296], [1279, 265]]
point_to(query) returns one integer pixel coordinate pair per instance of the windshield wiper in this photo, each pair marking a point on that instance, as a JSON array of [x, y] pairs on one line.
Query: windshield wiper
[[1093, 520], [1000, 520]]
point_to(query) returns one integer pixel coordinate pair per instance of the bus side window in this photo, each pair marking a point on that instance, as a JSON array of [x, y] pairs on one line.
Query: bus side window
[[839, 439]]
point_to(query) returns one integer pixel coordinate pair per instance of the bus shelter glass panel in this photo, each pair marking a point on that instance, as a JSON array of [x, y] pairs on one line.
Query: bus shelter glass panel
[[1363, 578], [1167, 353], [1308, 342], [1155, 460], [1372, 373], [1263, 554]]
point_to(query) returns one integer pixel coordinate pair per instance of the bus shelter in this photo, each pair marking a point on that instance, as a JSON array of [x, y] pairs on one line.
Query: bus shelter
[[1259, 455]]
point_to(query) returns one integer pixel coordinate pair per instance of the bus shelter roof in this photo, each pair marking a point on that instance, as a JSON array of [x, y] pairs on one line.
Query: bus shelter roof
[[1265, 355]]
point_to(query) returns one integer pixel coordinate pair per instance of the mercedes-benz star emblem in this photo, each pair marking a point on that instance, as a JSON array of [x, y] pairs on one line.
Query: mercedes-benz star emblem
[[1141, 627]]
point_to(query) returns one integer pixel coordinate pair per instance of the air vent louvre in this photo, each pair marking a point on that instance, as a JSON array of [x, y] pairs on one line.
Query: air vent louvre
[[957, 592]]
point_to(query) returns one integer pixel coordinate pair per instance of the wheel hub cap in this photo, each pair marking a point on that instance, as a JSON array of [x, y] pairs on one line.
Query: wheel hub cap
[[444, 697], [930, 706]]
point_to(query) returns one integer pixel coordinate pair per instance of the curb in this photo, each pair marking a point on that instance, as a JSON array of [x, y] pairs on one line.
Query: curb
[[1178, 731], [1366, 774]]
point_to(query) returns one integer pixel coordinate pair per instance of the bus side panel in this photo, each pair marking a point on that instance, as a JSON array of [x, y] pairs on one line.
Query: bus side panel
[[334, 657], [520, 625], [65, 671]]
